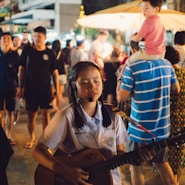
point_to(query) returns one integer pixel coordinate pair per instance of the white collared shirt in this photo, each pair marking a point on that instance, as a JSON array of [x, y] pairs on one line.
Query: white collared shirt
[[62, 133]]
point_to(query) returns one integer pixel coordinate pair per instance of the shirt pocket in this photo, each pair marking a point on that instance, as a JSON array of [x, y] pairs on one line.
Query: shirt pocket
[[107, 138], [84, 138]]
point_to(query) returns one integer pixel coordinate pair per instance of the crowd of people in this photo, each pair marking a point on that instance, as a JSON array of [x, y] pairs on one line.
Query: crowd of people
[[148, 85]]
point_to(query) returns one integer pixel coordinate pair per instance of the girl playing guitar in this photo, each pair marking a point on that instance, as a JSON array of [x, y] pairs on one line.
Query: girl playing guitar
[[85, 124]]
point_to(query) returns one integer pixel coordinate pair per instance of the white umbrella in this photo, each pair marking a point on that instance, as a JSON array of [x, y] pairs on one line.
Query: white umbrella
[[109, 21], [129, 17]]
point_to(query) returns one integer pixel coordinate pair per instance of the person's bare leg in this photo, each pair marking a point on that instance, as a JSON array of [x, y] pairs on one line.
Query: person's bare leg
[[9, 121], [166, 173], [54, 101], [2, 118], [45, 113], [178, 176], [61, 91], [32, 115], [54, 104], [10, 125], [175, 176], [137, 176]]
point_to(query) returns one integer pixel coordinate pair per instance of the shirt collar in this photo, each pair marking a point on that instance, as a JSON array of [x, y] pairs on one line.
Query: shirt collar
[[98, 116]]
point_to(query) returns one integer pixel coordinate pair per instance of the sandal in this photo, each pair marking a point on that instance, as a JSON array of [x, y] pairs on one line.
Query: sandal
[[12, 142], [29, 144]]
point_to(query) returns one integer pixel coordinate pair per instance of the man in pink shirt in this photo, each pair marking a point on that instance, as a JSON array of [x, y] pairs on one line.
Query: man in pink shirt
[[152, 31]]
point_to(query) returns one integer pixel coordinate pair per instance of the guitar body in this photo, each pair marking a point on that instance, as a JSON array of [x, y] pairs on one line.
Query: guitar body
[[85, 160], [99, 164]]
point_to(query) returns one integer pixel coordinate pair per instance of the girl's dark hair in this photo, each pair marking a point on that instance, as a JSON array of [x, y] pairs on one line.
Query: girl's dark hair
[[172, 55], [179, 38], [73, 75], [68, 42], [56, 45]]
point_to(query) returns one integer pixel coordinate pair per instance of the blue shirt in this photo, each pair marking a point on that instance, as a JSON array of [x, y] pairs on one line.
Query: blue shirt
[[149, 82]]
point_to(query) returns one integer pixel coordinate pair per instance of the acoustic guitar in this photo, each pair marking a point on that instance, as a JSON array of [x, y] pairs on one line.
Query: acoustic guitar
[[98, 166]]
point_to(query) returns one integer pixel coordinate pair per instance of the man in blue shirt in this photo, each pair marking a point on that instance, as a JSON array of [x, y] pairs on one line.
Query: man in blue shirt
[[149, 82]]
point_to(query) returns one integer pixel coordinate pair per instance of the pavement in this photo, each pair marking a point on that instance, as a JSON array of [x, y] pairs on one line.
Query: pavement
[[22, 165]]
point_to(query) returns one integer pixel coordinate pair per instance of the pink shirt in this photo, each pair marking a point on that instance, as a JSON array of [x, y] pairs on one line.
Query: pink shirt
[[153, 31]]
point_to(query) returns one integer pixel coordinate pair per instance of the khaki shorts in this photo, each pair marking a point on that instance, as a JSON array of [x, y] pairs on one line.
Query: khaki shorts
[[62, 79], [160, 157]]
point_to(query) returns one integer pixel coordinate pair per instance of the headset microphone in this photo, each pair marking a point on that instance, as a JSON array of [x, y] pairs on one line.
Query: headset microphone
[[90, 99]]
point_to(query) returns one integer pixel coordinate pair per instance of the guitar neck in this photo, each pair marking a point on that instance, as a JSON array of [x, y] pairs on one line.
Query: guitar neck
[[133, 156]]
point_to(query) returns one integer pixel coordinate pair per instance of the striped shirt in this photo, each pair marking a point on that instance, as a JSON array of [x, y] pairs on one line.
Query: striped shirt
[[149, 82]]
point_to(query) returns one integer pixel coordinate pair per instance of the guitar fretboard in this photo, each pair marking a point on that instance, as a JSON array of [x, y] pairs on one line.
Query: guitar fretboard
[[133, 156]]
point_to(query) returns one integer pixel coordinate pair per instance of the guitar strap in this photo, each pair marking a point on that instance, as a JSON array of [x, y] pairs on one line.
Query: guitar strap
[[124, 115]]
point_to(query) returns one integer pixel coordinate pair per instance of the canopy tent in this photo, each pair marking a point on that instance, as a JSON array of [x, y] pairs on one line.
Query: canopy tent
[[128, 16]]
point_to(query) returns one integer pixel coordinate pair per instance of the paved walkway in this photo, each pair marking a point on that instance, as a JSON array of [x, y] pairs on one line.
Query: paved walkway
[[22, 165]]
